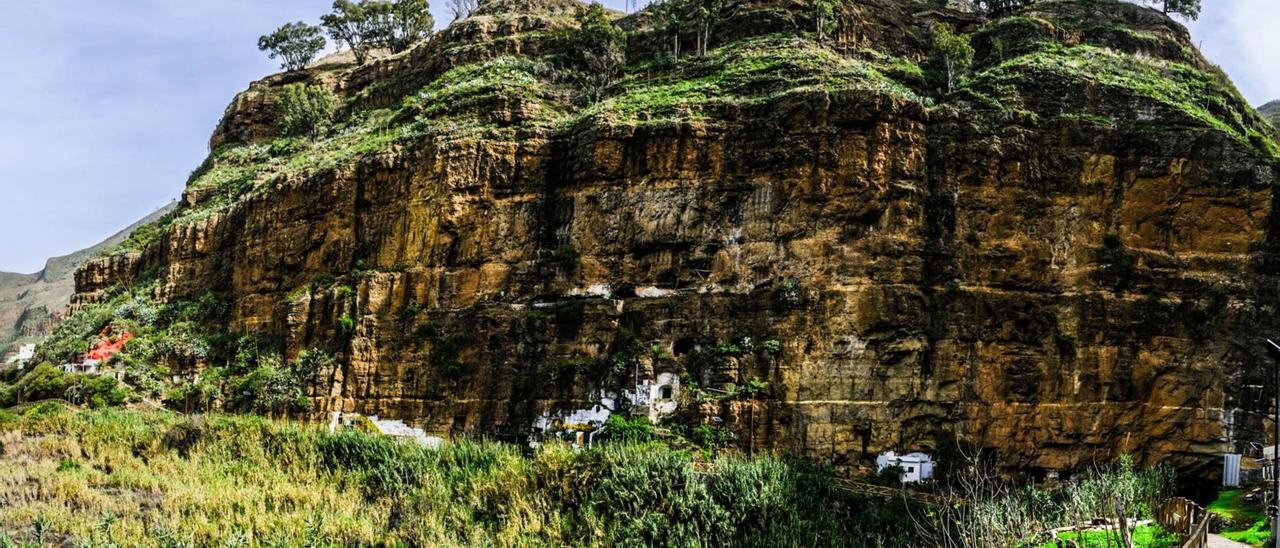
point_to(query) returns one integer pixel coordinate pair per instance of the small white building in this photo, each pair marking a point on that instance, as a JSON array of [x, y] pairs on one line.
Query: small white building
[[916, 467], [1267, 462], [339, 421], [656, 399], [400, 430], [25, 354], [87, 367]]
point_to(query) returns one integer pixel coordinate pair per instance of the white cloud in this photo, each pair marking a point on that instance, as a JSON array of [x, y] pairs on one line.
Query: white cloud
[[1241, 36]]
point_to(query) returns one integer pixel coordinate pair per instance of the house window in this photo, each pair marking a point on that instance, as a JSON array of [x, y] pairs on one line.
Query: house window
[[665, 392], [911, 469]]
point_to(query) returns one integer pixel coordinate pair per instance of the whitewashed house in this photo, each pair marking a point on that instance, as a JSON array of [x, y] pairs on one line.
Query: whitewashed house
[[87, 367], [916, 467], [656, 399], [339, 421], [24, 355]]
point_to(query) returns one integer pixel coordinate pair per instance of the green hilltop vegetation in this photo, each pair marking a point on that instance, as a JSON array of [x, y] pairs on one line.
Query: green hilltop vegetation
[[1271, 111]]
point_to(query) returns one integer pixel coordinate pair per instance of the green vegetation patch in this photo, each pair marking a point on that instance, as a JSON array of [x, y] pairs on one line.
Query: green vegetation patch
[[180, 355], [1246, 520], [468, 95], [1144, 536], [752, 71], [1203, 97], [158, 478]]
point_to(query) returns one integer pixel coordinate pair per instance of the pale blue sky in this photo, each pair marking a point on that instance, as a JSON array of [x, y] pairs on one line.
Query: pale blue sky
[[107, 105]]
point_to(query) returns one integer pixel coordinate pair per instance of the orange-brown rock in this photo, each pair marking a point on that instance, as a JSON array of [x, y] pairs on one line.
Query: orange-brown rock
[[1059, 287]]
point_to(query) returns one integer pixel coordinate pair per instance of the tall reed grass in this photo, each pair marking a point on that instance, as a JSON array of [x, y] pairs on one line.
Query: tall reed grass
[[130, 478]]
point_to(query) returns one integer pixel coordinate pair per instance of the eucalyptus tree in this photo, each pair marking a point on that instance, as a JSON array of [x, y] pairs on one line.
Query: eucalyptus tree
[[295, 44], [362, 26]]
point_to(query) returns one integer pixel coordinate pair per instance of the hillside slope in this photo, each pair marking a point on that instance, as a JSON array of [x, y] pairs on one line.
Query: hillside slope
[[32, 304], [819, 247], [1271, 111]]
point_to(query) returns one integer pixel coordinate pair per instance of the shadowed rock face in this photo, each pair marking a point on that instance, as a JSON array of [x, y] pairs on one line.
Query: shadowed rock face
[[1049, 262]]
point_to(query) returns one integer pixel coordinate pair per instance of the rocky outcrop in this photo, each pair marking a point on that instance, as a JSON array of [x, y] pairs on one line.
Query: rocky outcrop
[[1048, 262]]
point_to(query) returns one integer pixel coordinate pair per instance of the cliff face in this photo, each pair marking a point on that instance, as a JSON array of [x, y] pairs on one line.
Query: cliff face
[[1066, 258], [31, 305]]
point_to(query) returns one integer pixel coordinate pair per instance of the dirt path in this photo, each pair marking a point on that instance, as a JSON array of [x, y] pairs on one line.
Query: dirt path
[[1216, 541]]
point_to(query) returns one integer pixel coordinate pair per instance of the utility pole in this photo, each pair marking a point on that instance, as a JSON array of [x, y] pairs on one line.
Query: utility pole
[[1275, 457]]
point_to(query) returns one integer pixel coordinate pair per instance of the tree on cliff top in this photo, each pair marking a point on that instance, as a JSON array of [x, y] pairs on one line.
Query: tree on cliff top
[[369, 24], [1186, 8], [296, 44], [670, 18], [361, 25], [411, 21], [707, 14], [673, 15], [596, 50], [462, 9], [824, 15]]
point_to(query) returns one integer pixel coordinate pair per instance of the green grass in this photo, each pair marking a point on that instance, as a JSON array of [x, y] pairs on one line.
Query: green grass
[[1202, 97], [134, 478], [1246, 521], [1145, 536], [751, 71]]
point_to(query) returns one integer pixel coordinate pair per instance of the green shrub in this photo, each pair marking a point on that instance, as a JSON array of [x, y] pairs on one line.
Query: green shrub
[[753, 389], [634, 430], [182, 437], [95, 391], [346, 326], [304, 110], [8, 395], [711, 437], [44, 382], [383, 465]]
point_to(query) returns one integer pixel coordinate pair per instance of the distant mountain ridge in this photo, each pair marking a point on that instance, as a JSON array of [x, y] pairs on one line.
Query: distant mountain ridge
[[1271, 111], [32, 304]]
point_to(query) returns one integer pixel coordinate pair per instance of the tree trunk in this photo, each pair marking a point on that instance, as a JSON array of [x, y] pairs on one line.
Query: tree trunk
[[1125, 540], [950, 76]]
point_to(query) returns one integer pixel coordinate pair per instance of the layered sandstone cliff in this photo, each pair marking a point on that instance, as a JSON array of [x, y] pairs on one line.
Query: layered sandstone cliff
[[1068, 257]]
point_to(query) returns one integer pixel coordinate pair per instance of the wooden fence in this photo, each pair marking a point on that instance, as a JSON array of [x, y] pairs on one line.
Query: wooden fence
[[1187, 519]]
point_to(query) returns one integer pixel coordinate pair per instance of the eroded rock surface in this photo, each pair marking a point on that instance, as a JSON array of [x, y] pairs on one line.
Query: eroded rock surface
[[1047, 263]]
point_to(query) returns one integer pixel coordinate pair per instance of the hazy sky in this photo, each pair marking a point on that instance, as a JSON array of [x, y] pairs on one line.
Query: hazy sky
[[107, 105]]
